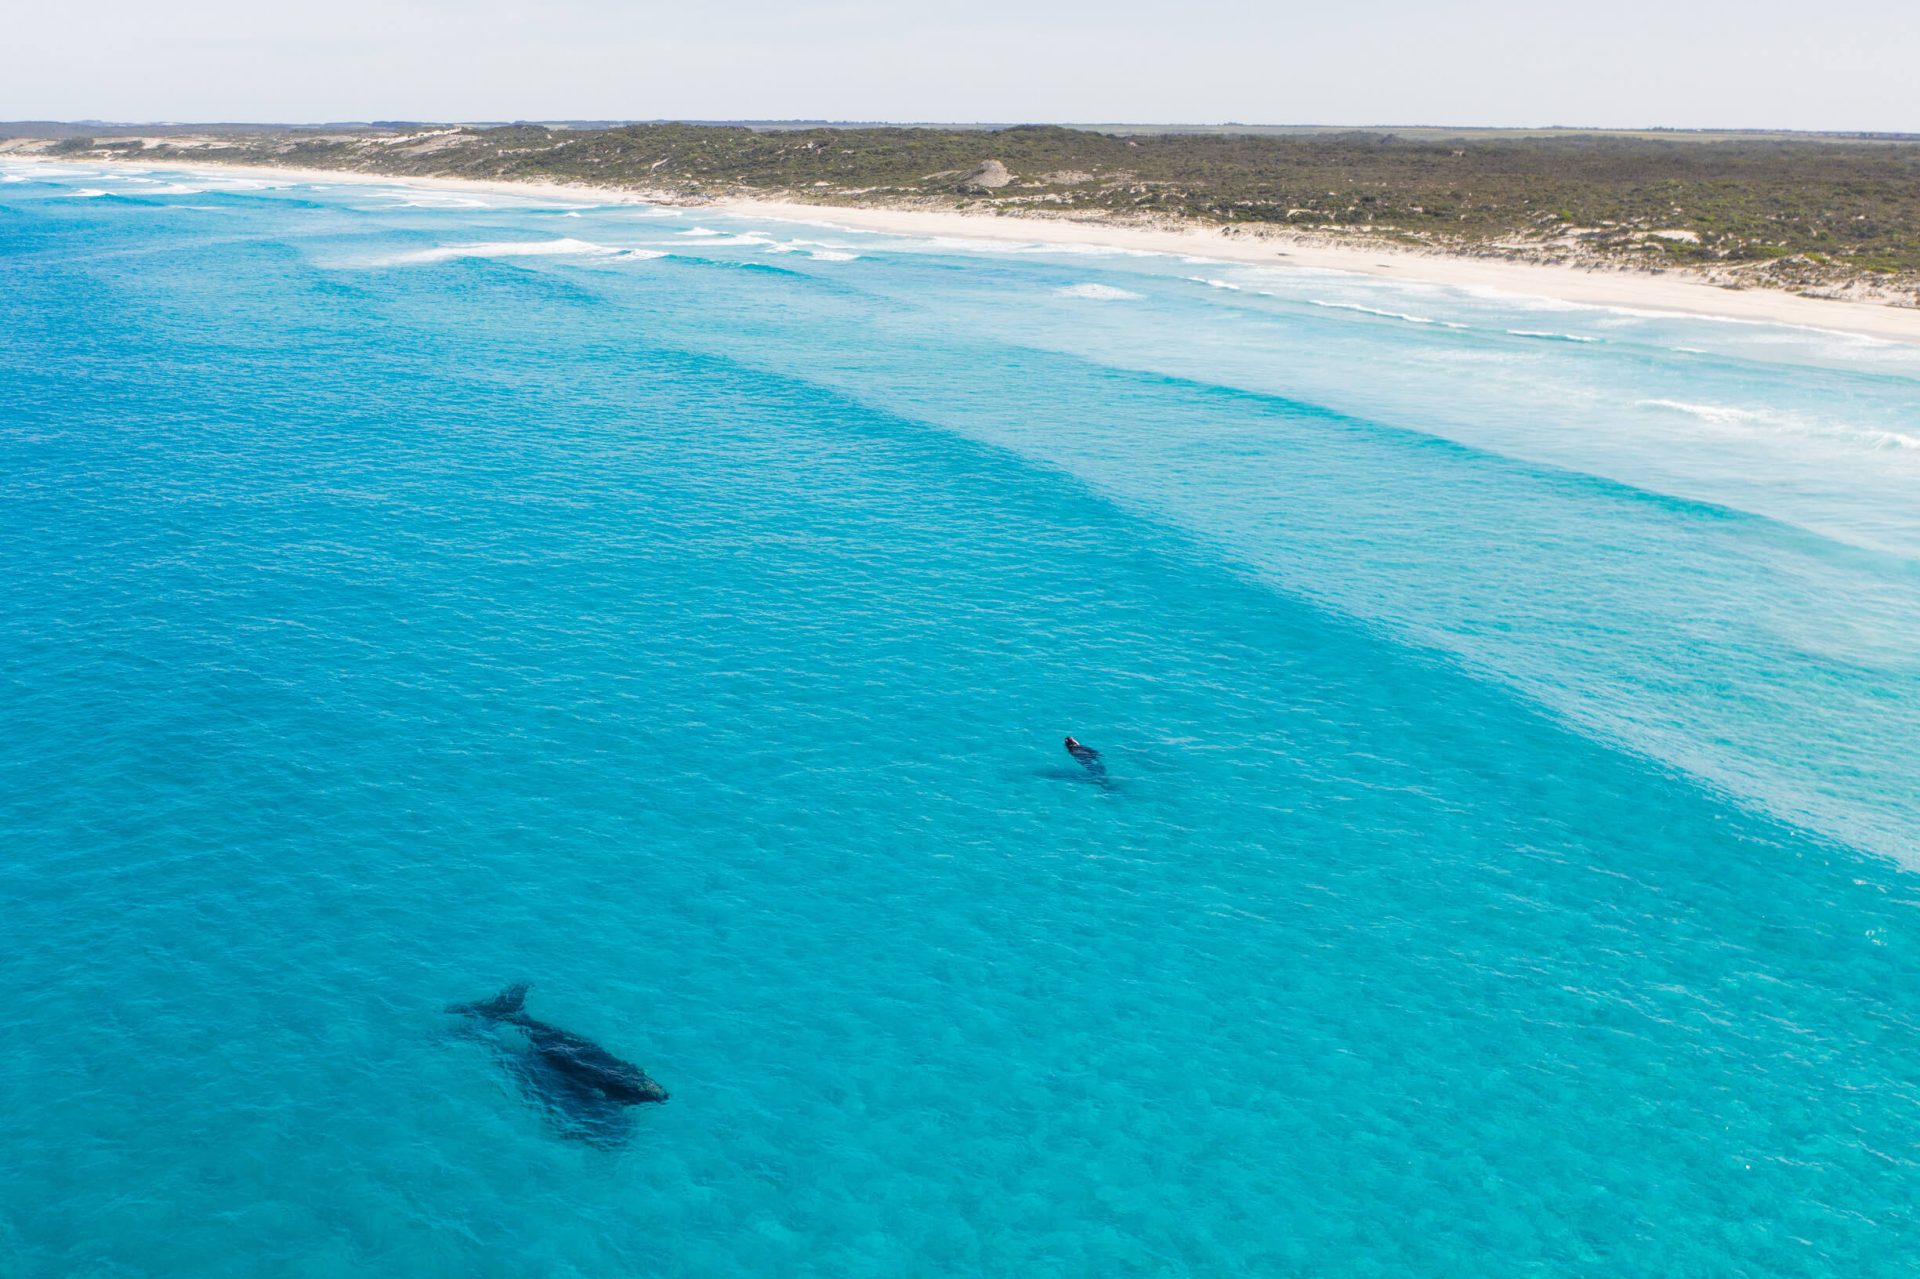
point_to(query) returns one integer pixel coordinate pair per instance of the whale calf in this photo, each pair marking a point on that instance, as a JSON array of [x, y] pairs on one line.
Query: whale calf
[[1088, 758], [568, 1071]]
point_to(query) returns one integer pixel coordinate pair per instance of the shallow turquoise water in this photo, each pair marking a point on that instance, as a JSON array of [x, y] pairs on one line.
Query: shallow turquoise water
[[1505, 870]]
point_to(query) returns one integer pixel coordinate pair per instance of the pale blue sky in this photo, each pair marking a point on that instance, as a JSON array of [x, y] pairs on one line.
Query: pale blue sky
[[1765, 63]]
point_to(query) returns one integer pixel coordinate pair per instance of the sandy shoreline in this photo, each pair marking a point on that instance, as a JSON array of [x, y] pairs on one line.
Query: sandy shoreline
[[1671, 292]]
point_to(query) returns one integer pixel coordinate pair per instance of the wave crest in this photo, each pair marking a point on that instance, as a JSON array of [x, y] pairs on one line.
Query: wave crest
[[1098, 292], [566, 247], [1727, 415], [1385, 315], [1550, 337]]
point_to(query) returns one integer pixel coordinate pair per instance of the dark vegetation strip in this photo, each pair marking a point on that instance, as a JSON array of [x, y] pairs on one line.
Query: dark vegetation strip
[[1816, 214]]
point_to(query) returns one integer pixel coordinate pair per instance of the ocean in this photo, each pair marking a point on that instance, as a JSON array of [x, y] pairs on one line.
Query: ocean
[[1504, 864]]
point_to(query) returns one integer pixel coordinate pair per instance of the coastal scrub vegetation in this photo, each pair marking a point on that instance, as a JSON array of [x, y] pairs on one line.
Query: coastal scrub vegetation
[[1815, 214]]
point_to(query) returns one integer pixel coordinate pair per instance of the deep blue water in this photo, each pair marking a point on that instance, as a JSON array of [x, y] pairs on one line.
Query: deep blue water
[[1510, 709]]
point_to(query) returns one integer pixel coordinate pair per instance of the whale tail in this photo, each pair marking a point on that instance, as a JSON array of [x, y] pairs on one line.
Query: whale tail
[[502, 1006]]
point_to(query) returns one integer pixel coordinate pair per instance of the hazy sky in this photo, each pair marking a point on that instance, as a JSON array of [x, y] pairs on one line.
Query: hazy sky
[[1757, 63]]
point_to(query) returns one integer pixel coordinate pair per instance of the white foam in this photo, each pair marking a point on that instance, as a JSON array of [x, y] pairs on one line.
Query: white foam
[[1786, 331], [1726, 415], [513, 249], [1098, 292], [1213, 284], [415, 198], [716, 240], [965, 244], [1720, 414], [826, 251], [88, 193], [1386, 315], [814, 249], [1550, 337], [1094, 250]]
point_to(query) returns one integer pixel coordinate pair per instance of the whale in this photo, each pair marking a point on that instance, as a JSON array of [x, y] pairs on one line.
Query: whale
[[575, 1078], [1088, 758]]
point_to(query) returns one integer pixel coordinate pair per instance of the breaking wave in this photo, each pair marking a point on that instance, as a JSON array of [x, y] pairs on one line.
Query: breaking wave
[[1871, 437], [1550, 337], [902, 242], [516, 249], [1386, 315], [417, 199], [1717, 413], [818, 250], [1099, 292]]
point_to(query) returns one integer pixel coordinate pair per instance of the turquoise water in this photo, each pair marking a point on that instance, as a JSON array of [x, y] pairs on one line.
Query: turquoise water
[[1511, 711]]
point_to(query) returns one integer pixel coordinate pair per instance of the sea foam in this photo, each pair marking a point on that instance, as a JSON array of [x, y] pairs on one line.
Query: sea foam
[[566, 247], [1846, 434], [411, 198], [1098, 292], [818, 250], [1384, 314], [1550, 337]]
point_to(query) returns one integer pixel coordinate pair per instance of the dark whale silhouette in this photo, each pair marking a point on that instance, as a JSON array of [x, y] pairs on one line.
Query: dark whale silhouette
[[1087, 757], [582, 1086]]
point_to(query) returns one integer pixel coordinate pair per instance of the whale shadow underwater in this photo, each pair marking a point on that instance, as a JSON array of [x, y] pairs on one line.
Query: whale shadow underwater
[[585, 1092]]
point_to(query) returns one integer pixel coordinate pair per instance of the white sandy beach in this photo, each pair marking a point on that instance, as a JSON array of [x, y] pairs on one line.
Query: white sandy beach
[[1671, 291], [1633, 290]]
